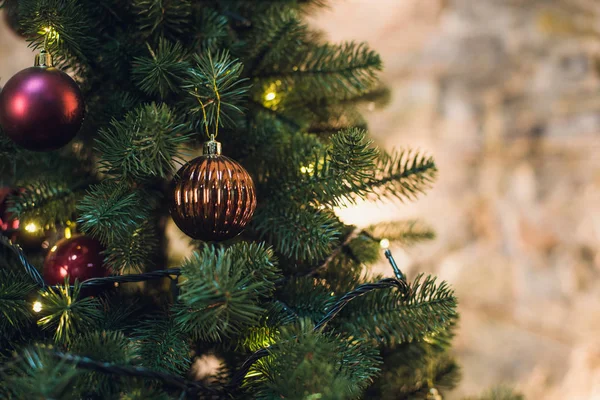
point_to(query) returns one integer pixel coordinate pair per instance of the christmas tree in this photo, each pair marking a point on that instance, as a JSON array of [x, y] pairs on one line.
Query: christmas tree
[[275, 293]]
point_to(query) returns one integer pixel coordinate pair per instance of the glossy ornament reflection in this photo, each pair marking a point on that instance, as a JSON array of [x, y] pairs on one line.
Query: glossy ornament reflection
[[78, 257], [212, 197], [41, 108]]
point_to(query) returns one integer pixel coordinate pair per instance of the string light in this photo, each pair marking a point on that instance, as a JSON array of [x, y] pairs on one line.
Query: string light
[[384, 243], [37, 306], [68, 233], [270, 96], [31, 227], [309, 169]]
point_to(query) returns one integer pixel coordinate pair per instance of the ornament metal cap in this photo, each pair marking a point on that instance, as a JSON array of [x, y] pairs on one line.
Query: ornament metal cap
[[211, 148], [43, 59]]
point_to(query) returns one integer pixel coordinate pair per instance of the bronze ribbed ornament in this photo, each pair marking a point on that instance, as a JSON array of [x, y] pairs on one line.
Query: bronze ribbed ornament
[[213, 197]]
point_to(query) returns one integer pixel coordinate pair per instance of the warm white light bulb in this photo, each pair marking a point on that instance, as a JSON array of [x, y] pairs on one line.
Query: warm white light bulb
[[384, 243], [37, 306], [270, 96], [31, 227]]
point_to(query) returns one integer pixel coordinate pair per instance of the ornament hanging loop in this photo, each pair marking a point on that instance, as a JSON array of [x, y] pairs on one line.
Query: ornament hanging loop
[[211, 148], [43, 59]]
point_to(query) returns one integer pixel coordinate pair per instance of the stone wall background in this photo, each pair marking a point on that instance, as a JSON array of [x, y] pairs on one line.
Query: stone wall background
[[506, 96]]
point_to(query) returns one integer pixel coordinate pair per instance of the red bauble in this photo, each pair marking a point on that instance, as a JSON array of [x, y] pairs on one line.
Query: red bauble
[[41, 108], [212, 197], [78, 257]]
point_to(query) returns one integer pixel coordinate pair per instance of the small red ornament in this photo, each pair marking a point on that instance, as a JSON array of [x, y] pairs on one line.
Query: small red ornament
[[78, 257], [41, 108], [212, 196]]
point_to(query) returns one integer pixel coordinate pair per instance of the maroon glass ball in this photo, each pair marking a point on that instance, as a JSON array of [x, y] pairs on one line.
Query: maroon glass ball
[[212, 198], [78, 257], [41, 108]]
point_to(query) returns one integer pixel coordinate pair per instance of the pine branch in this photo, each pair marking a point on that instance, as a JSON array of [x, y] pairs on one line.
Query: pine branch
[[222, 288], [306, 363], [301, 233], [47, 202], [65, 314], [306, 297], [269, 46], [330, 71], [406, 232], [402, 175], [216, 88], [145, 144], [364, 249], [167, 18], [266, 331], [65, 25], [39, 375], [110, 211], [161, 346], [103, 346], [212, 30], [410, 369], [329, 179], [161, 73], [15, 306], [133, 253], [394, 317]]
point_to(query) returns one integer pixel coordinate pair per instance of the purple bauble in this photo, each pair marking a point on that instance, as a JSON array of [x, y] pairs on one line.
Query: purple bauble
[[78, 257], [41, 108]]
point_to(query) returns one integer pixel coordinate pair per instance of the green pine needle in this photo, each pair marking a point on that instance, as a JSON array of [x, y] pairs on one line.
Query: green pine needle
[[407, 232], [161, 346], [168, 18], [162, 72], [15, 300], [146, 143], [71, 27], [215, 86], [110, 211], [300, 233], [222, 288], [307, 365], [47, 203], [391, 316], [350, 161], [65, 314], [134, 253], [104, 346], [213, 29], [402, 175], [40, 375], [330, 71]]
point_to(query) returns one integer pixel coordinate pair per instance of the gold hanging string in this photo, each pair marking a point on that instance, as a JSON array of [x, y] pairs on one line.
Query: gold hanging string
[[203, 107], [217, 95], [47, 30]]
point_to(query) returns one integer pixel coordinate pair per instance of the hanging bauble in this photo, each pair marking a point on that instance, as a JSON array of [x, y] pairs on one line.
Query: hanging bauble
[[41, 107], [78, 257], [212, 196]]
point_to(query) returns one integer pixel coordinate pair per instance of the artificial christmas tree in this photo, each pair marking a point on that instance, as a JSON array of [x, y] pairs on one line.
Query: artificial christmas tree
[[285, 309]]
